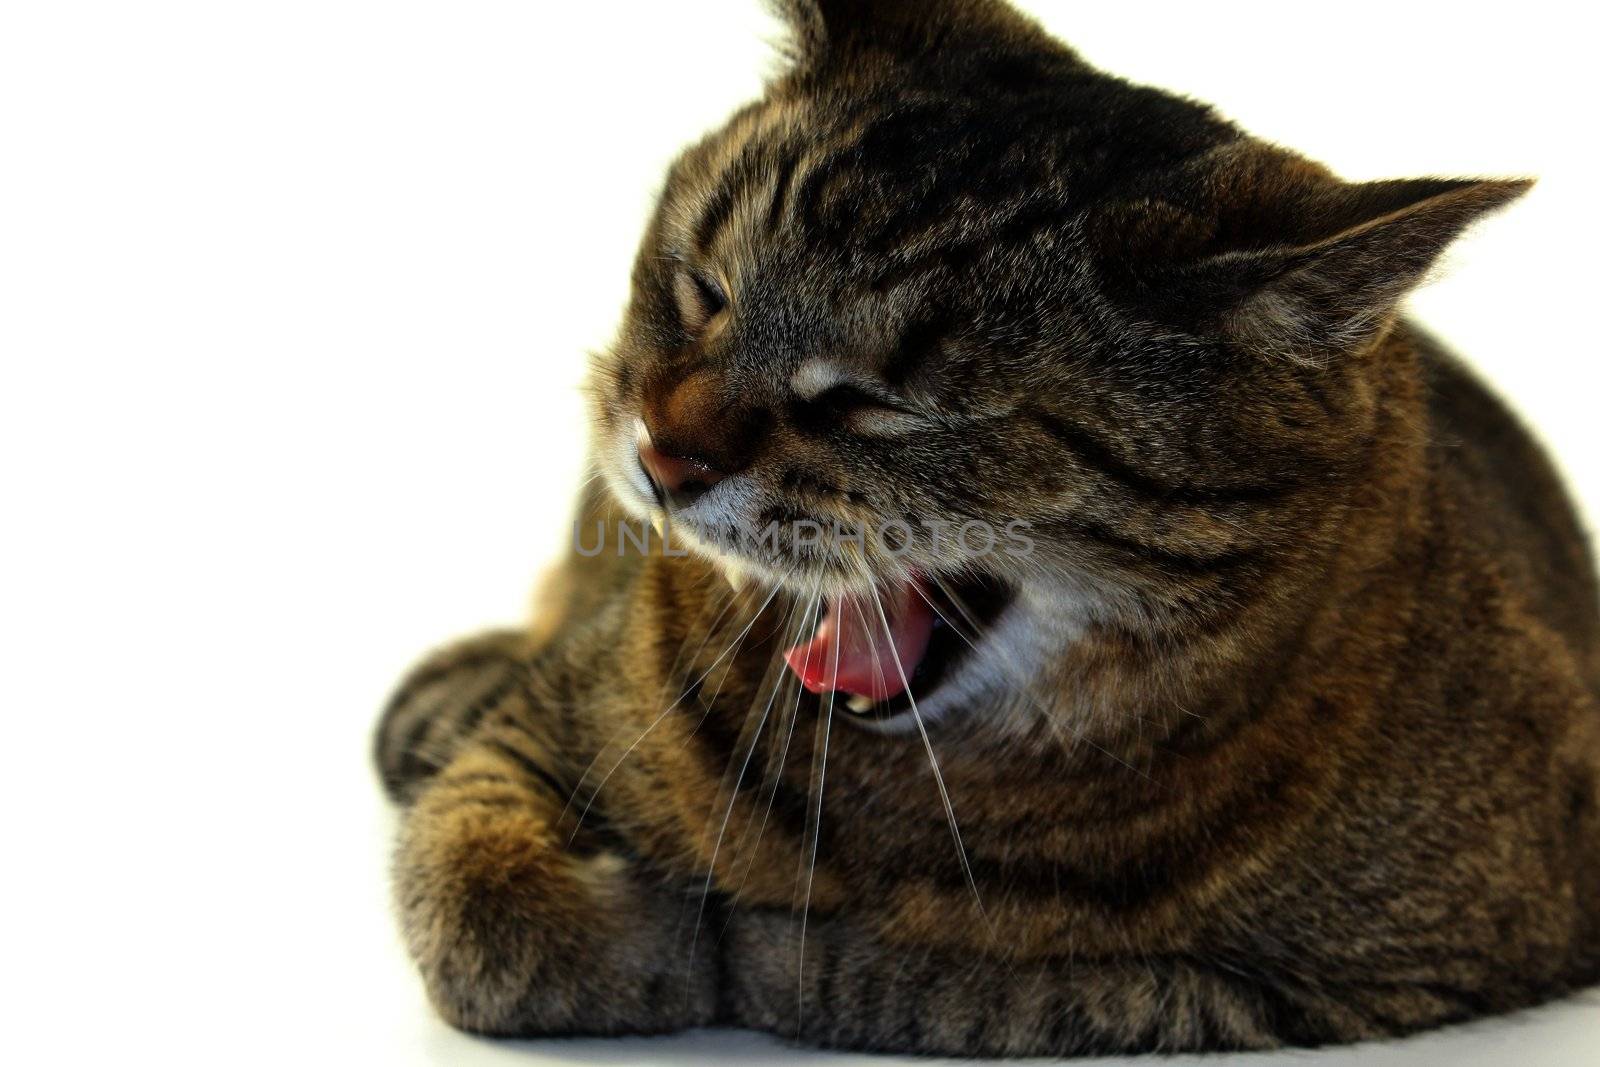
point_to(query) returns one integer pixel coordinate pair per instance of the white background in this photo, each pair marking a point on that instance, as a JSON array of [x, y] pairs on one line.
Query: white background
[[294, 297]]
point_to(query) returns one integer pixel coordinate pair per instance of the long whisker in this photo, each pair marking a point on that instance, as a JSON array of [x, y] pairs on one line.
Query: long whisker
[[672, 672], [933, 761], [775, 771], [1051, 721], [866, 628], [731, 649], [596, 472], [816, 837], [710, 703], [733, 789]]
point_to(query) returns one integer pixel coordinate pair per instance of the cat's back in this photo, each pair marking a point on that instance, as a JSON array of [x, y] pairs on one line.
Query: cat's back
[[1511, 502], [1508, 664], [1464, 744]]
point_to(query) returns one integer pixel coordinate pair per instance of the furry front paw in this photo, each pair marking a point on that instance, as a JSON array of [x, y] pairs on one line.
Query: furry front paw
[[517, 935], [481, 893]]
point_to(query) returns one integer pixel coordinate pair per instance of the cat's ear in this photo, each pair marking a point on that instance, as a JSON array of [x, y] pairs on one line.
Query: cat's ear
[[1343, 255], [836, 28]]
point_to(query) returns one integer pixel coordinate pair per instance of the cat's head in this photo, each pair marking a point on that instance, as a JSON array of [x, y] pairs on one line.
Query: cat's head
[[1022, 326]]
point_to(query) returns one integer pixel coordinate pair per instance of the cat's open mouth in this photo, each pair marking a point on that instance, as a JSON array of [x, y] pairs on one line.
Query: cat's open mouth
[[878, 654]]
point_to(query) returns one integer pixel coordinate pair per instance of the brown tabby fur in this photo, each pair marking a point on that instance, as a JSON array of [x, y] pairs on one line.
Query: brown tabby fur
[[1300, 741]]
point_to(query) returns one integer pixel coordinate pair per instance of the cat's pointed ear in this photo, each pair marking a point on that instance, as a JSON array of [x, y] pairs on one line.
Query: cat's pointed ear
[[1344, 256], [831, 28]]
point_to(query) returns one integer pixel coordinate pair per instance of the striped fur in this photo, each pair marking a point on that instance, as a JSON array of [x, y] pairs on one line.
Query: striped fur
[[1288, 734]]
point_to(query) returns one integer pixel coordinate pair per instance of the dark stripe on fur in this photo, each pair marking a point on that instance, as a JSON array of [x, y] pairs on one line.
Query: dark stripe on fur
[[1101, 457], [533, 769]]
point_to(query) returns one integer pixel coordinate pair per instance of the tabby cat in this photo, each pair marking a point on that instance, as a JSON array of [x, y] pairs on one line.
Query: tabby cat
[[1261, 711]]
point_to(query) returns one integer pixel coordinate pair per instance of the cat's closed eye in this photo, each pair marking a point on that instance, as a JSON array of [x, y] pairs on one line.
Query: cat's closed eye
[[700, 298], [863, 412]]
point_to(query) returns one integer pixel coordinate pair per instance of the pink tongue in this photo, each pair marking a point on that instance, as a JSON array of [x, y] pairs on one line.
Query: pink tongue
[[851, 653]]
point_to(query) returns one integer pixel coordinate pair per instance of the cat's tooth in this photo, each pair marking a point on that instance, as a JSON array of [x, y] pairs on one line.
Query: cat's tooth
[[735, 576], [659, 522], [858, 703]]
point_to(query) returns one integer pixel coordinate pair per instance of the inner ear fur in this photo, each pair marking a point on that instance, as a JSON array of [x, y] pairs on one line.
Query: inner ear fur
[[1278, 255], [1336, 293]]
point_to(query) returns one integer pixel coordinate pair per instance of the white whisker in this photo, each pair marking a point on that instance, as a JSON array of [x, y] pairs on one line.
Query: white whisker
[[1050, 720], [731, 649], [672, 672], [733, 791], [816, 836], [776, 772], [933, 761]]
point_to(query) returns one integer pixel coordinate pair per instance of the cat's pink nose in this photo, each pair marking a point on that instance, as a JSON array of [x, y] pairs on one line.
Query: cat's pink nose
[[679, 481]]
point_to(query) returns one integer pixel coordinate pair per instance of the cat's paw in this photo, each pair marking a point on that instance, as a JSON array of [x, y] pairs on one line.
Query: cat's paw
[[485, 905], [517, 935]]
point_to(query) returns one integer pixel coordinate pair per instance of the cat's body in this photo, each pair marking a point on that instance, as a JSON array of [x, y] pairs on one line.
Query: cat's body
[[1287, 732]]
